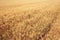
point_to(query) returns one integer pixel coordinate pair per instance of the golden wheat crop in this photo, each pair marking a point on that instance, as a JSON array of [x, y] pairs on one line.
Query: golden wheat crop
[[39, 21]]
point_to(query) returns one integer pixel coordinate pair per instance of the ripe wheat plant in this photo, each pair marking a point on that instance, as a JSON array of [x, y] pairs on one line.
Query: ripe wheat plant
[[30, 23]]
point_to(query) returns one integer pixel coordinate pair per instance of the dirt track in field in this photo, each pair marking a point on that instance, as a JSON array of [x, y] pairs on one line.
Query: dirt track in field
[[30, 21]]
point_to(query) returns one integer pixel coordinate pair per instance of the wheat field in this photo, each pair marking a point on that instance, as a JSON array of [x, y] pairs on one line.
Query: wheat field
[[30, 21]]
